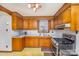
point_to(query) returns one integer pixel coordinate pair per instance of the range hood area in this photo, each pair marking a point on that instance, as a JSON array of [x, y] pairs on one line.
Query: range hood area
[[61, 27]]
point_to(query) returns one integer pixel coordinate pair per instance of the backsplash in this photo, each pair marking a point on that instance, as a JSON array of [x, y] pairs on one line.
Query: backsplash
[[32, 33], [15, 33], [53, 33]]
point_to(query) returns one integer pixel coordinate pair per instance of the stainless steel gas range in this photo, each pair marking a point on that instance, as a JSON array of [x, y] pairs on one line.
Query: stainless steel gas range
[[65, 43]]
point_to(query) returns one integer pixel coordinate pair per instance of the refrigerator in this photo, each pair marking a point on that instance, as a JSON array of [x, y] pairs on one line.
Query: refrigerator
[[5, 32]]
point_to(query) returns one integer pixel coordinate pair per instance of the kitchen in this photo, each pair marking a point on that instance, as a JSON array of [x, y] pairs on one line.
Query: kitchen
[[54, 35]]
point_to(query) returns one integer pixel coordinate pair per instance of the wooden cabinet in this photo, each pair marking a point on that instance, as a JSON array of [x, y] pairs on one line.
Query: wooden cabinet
[[25, 24], [33, 41], [17, 21], [60, 19], [52, 24], [33, 24], [20, 23], [28, 42], [75, 17], [67, 15], [17, 44], [30, 24], [45, 43], [55, 22], [63, 18]]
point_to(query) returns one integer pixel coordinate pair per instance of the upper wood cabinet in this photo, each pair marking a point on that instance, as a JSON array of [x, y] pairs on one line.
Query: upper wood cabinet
[[30, 24], [67, 15], [75, 17], [17, 21], [60, 19], [25, 24], [33, 24], [55, 22], [64, 17], [51, 23]]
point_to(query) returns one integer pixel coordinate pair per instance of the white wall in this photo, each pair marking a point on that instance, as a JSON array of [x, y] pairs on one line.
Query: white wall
[[5, 36]]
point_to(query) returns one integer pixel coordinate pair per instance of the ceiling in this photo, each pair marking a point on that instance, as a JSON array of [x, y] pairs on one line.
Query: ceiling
[[47, 9]]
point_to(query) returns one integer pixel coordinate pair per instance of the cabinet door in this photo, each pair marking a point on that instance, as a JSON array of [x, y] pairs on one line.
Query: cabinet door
[[41, 43], [56, 22], [17, 22], [20, 23], [14, 21], [60, 19], [77, 22], [75, 17], [45, 43], [74, 12], [17, 44], [28, 42], [31, 42], [25, 24], [52, 24], [67, 15], [35, 42], [33, 24]]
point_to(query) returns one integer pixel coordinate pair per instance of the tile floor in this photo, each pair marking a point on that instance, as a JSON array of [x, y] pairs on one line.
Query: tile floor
[[29, 52], [25, 52]]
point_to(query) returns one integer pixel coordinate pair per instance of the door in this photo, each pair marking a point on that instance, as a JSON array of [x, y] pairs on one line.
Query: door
[[5, 32]]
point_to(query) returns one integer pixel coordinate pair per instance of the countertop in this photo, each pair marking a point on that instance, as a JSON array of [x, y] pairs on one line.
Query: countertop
[[20, 36], [31, 36]]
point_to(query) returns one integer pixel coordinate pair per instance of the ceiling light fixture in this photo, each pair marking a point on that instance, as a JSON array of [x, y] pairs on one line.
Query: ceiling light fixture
[[34, 6]]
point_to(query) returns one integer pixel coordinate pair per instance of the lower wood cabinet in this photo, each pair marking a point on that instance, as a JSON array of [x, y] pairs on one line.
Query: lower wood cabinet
[[17, 44], [38, 42], [45, 43], [31, 42]]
